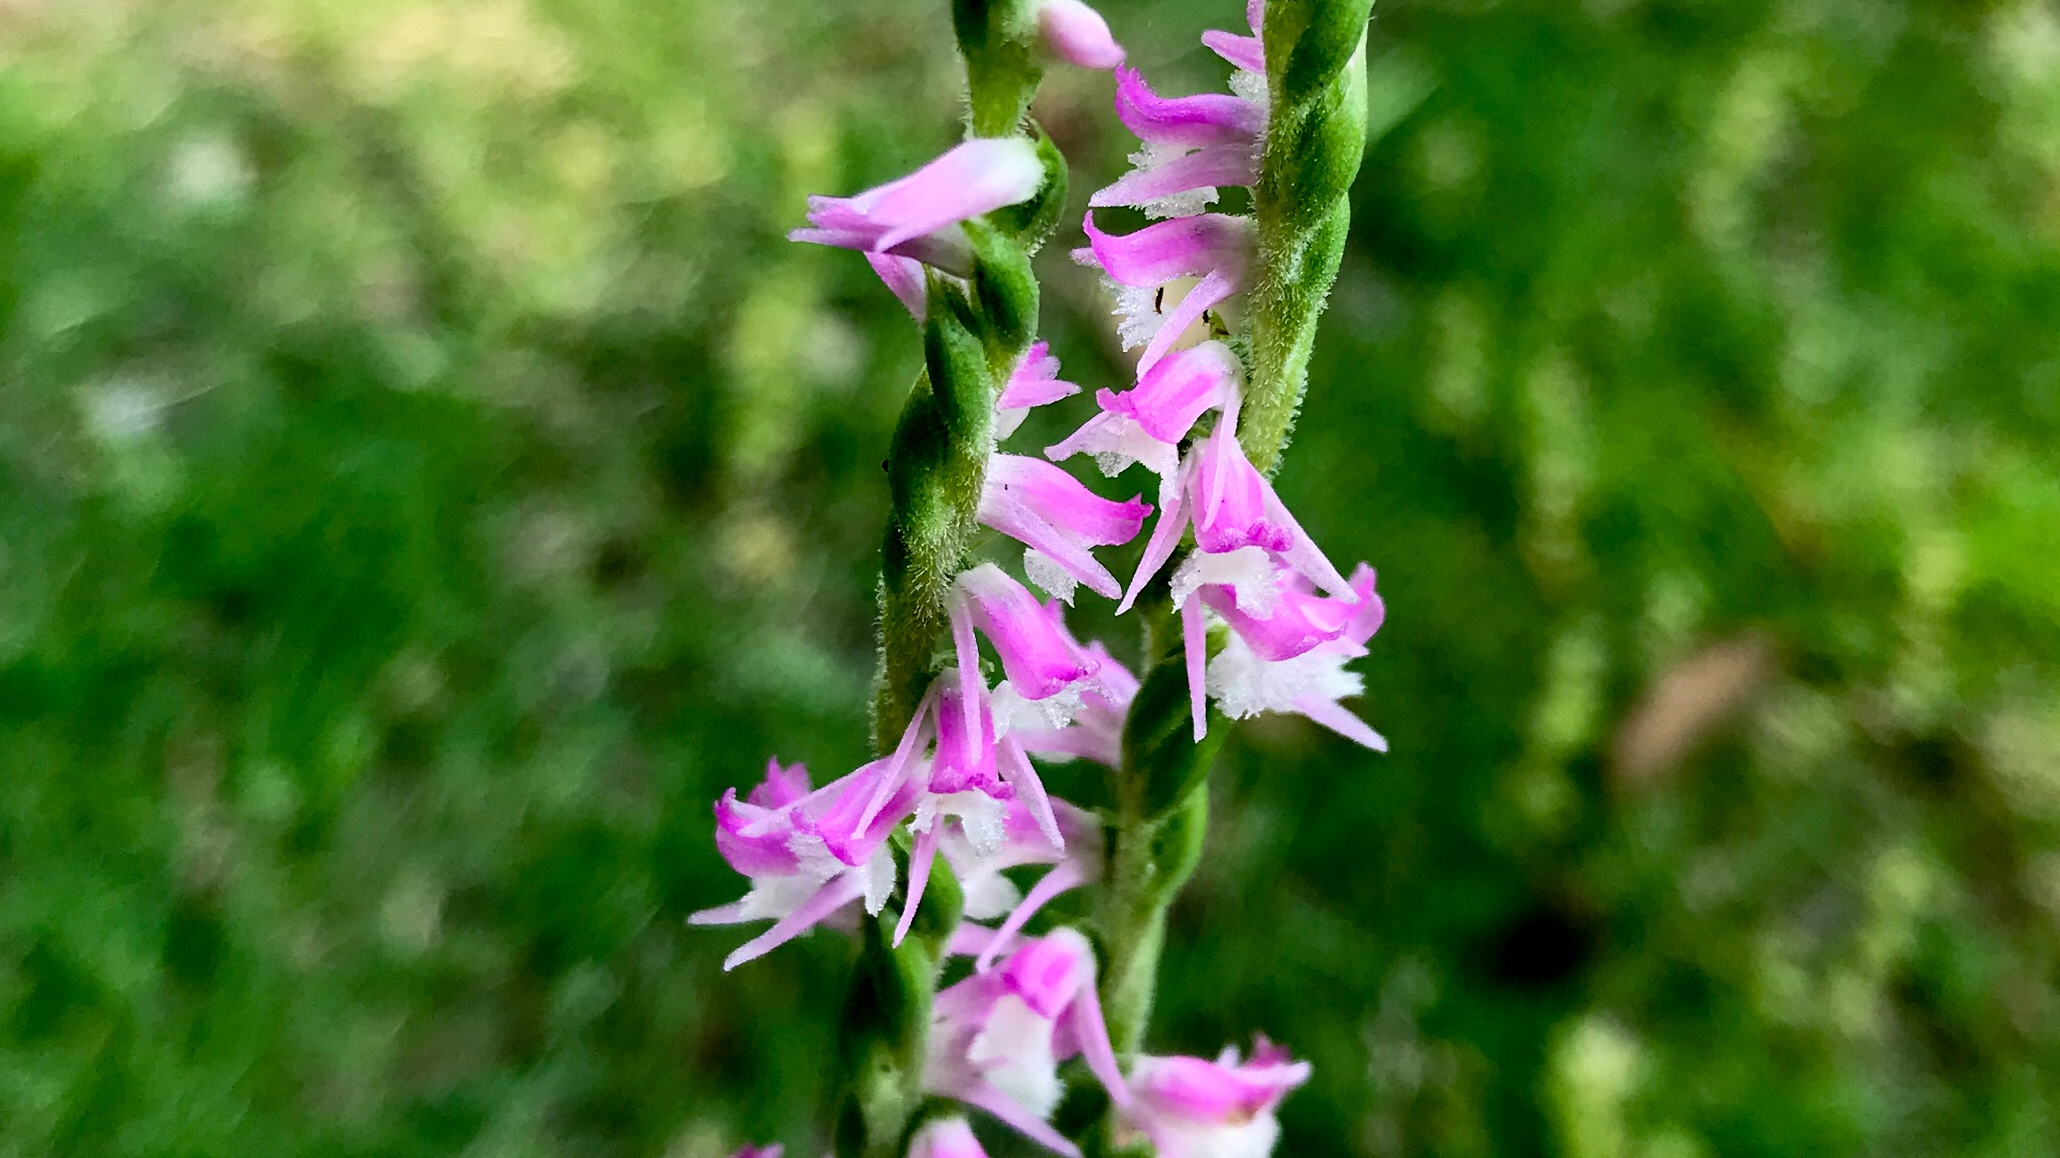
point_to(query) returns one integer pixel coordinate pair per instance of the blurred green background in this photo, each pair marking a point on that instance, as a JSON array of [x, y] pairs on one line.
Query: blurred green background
[[427, 478]]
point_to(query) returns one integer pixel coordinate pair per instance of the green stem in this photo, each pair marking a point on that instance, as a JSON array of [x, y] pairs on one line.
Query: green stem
[[973, 335], [1315, 137]]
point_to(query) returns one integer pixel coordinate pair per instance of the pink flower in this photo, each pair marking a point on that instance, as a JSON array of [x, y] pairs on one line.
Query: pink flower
[[1244, 536], [805, 864], [915, 216], [1035, 382], [1192, 145], [1078, 35], [1285, 663], [945, 1138], [997, 1038], [1189, 1107], [976, 777], [772, 1151], [1060, 520]]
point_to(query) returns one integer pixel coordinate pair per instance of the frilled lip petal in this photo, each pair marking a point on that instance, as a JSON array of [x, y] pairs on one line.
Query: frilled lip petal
[[976, 177], [1211, 168], [1078, 35], [1188, 122], [838, 891], [1040, 658], [1162, 251]]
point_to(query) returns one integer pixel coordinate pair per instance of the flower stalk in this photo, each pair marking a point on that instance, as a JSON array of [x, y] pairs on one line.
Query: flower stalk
[[924, 849]]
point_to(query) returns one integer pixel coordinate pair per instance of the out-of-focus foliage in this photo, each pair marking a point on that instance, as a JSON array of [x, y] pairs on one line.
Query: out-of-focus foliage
[[427, 479]]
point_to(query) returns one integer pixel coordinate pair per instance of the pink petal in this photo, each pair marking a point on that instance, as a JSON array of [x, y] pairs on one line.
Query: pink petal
[[1190, 122], [1091, 1032], [1013, 1114], [904, 276], [1064, 877], [1035, 381], [964, 759], [1050, 972], [1333, 715], [1195, 641], [837, 892], [1164, 250], [1117, 440], [1212, 1093], [976, 177], [1177, 391], [1246, 52], [1019, 774], [1300, 621], [753, 840], [1012, 517], [919, 860], [1196, 302], [1038, 655], [1065, 502], [1371, 612], [1235, 506], [1165, 536], [1209, 168], [1078, 35], [781, 786], [1302, 553], [895, 774]]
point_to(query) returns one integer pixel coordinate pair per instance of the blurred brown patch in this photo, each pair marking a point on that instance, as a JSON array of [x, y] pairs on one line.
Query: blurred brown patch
[[1688, 702]]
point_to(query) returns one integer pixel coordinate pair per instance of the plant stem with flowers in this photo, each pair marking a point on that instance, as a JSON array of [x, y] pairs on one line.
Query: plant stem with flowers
[[1239, 608]]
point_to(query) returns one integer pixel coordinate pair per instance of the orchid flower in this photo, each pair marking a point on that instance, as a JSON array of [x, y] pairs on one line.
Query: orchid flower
[[997, 1037], [916, 218], [1192, 145], [1189, 1107], [804, 866], [1146, 423], [1294, 660], [1144, 268]]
